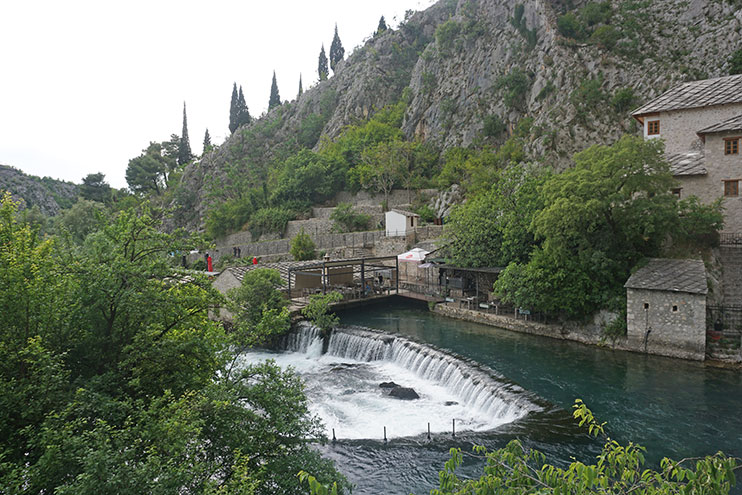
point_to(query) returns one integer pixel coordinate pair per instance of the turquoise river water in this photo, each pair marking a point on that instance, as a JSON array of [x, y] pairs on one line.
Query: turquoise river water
[[672, 407]]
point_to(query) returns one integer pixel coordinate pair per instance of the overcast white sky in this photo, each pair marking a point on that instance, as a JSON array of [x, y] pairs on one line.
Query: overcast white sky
[[86, 85]]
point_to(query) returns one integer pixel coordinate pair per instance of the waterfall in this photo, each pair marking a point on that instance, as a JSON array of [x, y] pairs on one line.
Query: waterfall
[[474, 386]]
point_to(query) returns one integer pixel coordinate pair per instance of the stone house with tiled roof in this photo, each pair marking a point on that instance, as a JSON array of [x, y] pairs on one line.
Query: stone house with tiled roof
[[701, 125], [666, 308]]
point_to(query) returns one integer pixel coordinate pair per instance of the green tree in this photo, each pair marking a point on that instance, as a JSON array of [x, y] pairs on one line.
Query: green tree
[[233, 109], [346, 219], [82, 219], [301, 90], [184, 148], [322, 65], [337, 52], [243, 114], [207, 142], [735, 63], [95, 188], [149, 171], [382, 26], [380, 170], [318, 310], [302, 247], [599, 219], [259, 308], [274, 99]]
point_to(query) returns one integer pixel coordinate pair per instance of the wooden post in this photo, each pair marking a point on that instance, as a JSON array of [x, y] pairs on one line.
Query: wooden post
[[363, 278], [385, 434], [396, 261], [333, 436], [453, 427], [428, 431]]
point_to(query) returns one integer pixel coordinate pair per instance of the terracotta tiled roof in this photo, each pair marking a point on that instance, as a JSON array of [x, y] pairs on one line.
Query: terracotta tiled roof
[[689, 163], [708, 92], [670, 275], [733, 124]]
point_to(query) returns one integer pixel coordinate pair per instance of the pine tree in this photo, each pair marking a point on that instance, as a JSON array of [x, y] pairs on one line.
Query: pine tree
[[322, 68], [243, 114], [337, 52], [207, 141], [274, 99], [233, 109], [184, 148], [382, 26], [301, 90]]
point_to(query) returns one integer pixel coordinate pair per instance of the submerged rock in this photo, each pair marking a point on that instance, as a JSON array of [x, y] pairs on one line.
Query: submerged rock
[[450, 403], [404, 393], [388, 385]]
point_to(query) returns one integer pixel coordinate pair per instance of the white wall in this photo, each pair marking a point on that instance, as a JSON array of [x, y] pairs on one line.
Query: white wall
[[396, 224]]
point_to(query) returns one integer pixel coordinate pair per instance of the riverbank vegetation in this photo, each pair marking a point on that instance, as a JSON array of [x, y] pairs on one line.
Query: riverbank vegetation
[[113, 379]]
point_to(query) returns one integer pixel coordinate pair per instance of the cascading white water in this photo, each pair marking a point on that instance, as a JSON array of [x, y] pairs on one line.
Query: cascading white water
[[343, 384]]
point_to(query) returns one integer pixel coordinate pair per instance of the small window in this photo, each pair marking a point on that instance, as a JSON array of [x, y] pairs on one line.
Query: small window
[[646, 305], [731, 146], [675, 308], [653, 127], [676, 191], [731, 188]]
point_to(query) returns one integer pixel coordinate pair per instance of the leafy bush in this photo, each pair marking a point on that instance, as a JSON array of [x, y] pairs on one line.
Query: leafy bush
[[623, 100], [310, 130], [587, 97], [445, 35], [596, 13], [348, 220], [569, 26], [606, 37], [302, 247], [318, 310], [516, 84], [735, 63], [426, 213], [270, 220], [493, 126]]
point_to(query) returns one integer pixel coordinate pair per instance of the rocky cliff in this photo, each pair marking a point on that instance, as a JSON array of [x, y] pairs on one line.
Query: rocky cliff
[[475, 68], [50, 195]]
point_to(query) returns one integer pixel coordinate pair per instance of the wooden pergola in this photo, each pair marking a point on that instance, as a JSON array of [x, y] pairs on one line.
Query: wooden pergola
[[358, 277]]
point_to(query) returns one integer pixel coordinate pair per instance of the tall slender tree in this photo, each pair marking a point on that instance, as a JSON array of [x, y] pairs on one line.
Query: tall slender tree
[[337, 52], [184, 148], [301, 90], [382, 26], [233, 109], [274, 99], [207, 141], [322, 67], [243, 115]]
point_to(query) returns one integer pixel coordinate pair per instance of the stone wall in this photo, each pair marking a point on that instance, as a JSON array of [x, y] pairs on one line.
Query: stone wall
[[666, 323], [678, 128]]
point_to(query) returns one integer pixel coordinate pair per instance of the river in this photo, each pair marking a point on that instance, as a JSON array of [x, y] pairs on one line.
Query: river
[[497, 385]]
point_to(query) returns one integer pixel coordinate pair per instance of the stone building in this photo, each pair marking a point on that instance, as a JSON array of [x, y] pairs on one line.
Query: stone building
[[701, 125], [399, 222], [666, 308]]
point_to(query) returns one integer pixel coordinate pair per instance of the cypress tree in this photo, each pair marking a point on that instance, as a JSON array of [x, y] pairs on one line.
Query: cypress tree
[[382, 26], [337, 52], [233, 110], [301, 90], [322, 68], [207, 141], [243, 115], [184, 148], [274, 99]]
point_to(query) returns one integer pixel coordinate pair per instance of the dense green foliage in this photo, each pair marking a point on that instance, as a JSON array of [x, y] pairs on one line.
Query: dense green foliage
[[275, 98], [243, 114], [346, 219], [207, 141], [598, 220], [149, 172], [233, 109], [301, 89], [382, 26], [184, 148], [318, 310], [302, 247], [259, 309], [337, 52], [322, 69], [95, 188], [126, 385], [735, 62]]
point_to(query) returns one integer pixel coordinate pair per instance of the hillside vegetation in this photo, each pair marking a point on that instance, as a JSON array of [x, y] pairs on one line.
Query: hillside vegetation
[[456, 80]]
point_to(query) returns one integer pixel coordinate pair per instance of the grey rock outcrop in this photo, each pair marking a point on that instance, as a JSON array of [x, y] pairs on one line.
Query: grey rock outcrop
[[50, 195]]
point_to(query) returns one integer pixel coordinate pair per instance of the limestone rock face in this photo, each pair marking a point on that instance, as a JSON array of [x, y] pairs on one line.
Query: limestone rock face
[[457, 83], [31, 191]]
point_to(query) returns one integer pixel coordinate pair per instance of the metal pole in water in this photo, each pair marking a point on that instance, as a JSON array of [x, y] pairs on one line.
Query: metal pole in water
[[453, 427], [428, 431], [385, 434], [333, 436]]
